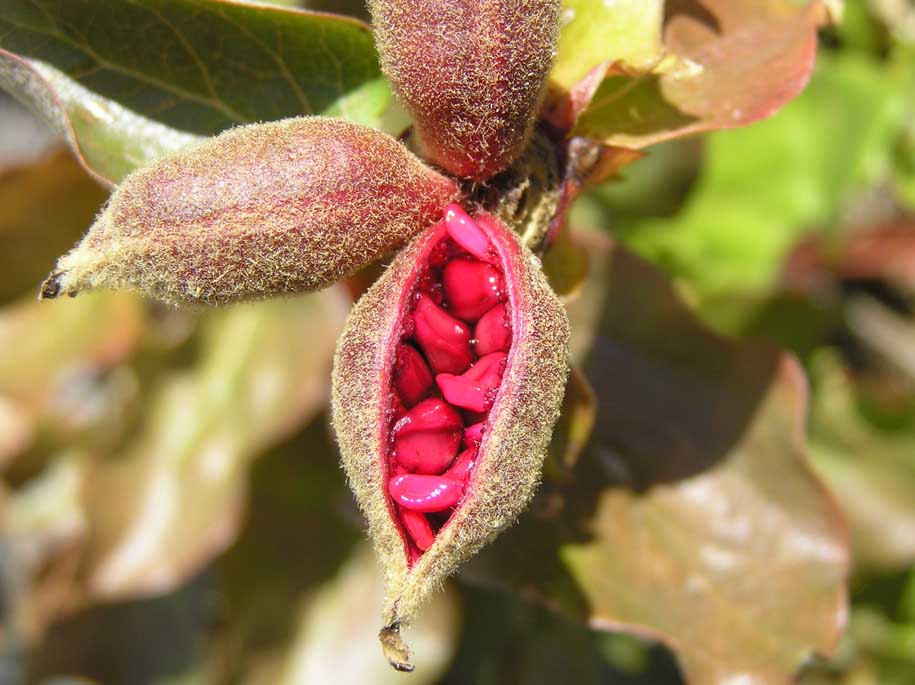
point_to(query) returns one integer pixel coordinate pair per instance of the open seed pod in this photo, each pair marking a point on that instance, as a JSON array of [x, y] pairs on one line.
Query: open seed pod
[[259, 210], [470, 72], [447, 382]]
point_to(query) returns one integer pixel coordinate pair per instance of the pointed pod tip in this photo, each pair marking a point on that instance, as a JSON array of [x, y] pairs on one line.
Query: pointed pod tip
[[51, 288], [394, 648]]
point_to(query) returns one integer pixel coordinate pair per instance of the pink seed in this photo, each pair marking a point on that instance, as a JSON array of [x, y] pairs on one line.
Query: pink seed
[[427, 437], [488, 367], [473, 435], [465, 232], [475, 389], [412, 376], [417, 527], [493, 331], [425, 493], [444, 339], [462, 466], [471, 288]]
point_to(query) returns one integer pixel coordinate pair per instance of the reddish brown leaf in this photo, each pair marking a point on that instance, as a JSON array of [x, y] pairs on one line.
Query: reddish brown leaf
[[692, 516], [737, 61]]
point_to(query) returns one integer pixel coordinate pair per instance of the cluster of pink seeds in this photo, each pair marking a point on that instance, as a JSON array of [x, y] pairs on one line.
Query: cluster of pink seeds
[[450, 360]]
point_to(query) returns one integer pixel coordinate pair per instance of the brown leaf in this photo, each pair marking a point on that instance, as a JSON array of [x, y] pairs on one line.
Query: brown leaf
[[574, 428], [101, 329], [884, 252], [566, 265], [296, 536], [692, 516], [44, 208]]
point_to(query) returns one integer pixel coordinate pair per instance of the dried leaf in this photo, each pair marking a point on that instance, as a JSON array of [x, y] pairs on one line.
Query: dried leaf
[[44, 342], [173, 498]]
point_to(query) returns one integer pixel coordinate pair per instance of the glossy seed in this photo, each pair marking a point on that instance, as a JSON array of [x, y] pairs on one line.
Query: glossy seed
[[412, 376], [418, 528], [425, 493], [466, 233], [474, 390], [471, 288], [492, 332], [427, 437], [462, 466], [444, 339]]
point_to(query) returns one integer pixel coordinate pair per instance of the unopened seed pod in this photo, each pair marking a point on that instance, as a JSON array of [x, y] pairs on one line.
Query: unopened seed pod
[[470, 72], [442, 444], [259, 210]]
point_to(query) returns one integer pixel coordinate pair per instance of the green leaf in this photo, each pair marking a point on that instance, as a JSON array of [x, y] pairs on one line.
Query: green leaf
[[128, 82], [735, 62], [595, 31], [692, 517], [764, 186], [109, 140]]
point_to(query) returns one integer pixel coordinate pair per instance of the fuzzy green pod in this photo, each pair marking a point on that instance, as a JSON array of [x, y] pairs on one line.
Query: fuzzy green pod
[[470, 72], [427, 514], [260, 210]]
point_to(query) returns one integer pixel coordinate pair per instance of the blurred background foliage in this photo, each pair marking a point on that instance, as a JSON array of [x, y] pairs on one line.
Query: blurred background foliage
[[172, 512]]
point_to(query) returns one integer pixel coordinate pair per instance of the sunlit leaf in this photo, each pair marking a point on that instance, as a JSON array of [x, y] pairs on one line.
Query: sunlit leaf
[[692, 516], [128, 82], [764, 186], [337, 640], [736, 62], [173, 498], [108, 139], [595, 31]]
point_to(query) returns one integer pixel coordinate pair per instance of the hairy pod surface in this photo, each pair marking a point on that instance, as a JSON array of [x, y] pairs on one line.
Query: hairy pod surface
[[259, 210], [447, 382], [470, 72]]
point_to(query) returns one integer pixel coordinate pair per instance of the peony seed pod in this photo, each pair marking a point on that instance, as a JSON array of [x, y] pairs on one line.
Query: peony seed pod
[[440, 468], [470, 72], [259, 210]]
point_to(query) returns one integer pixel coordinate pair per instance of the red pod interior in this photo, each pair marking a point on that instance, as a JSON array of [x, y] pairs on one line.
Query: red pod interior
[[455, 338]]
